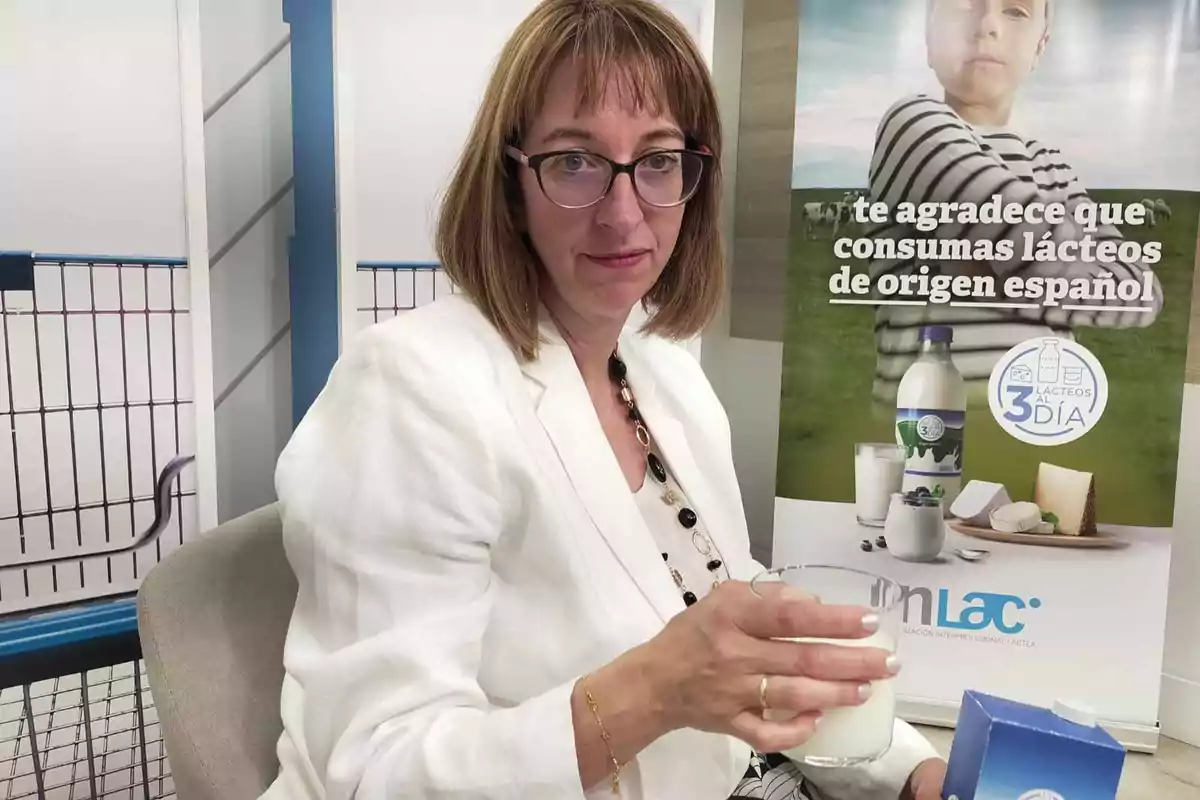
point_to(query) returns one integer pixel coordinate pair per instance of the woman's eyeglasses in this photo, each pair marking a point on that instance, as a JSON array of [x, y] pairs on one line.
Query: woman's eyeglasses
[[578, 179]]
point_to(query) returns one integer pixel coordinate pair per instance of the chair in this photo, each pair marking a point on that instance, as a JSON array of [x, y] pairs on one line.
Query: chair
[[212, 618]]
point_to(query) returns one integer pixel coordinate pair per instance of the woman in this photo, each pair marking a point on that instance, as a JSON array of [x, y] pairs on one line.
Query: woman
[[518, 536]]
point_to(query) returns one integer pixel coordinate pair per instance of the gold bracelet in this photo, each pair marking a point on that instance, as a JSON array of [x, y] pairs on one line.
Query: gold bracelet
[[617, 765]]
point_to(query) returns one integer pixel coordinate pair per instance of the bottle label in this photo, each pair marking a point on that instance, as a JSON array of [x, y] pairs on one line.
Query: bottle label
[[932, 441]]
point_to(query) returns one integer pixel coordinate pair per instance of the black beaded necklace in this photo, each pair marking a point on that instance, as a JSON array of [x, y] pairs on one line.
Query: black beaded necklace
[[658, 470]]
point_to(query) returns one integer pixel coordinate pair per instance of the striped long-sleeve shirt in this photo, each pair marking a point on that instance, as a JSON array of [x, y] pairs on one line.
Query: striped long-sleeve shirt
[[925, 152]]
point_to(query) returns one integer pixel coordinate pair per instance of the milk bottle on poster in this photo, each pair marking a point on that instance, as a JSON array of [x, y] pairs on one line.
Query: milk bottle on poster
[[931, 406], [1048, 361]]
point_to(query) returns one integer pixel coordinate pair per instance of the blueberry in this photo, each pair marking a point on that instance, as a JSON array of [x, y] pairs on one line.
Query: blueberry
[[866, 546], [881, 543]]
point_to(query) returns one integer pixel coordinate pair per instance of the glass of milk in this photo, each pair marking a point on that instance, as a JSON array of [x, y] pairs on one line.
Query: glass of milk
[[878, 474], [849, 735]]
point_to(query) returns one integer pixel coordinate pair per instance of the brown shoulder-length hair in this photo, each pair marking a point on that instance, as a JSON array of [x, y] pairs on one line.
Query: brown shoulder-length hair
[[631, 46]]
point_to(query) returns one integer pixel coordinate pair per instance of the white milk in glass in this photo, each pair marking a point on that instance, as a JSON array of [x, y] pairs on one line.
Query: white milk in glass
[[931, 404], [878, 474], [854, 733]]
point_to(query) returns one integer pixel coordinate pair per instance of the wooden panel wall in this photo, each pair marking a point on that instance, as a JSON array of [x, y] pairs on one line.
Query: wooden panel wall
[[770, 40], [1193, 360]]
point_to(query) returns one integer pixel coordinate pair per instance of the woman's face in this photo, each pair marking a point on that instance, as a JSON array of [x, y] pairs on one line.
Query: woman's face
[[600, 260]]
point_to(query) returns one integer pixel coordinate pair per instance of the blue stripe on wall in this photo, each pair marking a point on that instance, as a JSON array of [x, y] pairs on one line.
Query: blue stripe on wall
[[313, 250]]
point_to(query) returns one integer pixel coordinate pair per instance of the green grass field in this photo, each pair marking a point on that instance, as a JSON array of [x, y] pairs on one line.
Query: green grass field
[[829, 360]]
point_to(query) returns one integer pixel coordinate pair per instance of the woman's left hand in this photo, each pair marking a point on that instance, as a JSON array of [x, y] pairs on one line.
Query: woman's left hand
[[925, 783]]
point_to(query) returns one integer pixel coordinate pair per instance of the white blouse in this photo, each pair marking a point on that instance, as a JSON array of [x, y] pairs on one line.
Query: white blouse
[[672, 538]]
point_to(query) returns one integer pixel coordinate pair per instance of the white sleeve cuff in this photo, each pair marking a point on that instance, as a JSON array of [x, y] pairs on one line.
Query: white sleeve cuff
[[525, 752]]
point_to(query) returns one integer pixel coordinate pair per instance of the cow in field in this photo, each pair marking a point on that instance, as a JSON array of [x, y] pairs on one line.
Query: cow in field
[[1157, 210], [831, 213]]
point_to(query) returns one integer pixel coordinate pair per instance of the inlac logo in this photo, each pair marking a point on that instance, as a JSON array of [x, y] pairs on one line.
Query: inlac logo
[[1048, 391], [1041, 794]]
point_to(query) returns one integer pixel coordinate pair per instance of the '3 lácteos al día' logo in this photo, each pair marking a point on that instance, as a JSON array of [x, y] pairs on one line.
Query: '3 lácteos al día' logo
[[1041, 794], [930, 427], [1048, 391], [974, 611]]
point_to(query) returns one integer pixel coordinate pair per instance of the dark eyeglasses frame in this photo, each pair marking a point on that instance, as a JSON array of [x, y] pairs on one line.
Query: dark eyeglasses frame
[[535, 162]]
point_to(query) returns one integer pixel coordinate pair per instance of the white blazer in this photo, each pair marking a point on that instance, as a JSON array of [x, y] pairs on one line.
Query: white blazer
[[467, 548]]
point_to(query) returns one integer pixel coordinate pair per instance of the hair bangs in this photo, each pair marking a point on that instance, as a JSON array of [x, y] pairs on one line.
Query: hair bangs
[[641, 66]]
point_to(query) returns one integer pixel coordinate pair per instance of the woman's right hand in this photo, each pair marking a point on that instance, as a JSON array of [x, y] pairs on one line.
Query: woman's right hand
[[707, 664]]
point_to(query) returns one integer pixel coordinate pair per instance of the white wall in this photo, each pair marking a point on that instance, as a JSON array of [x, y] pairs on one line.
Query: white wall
[[407, 130], [1181, 659], [92, 162], [248, 137], [91, 159]]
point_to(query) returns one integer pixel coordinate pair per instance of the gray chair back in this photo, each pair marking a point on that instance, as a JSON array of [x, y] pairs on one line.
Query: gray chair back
[[213, 617]]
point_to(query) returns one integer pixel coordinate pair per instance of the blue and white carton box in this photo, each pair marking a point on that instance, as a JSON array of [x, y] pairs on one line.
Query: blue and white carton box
[[1004, 750]]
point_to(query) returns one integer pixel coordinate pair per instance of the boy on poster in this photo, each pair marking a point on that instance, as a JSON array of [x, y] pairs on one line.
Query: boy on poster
[[961, 149]]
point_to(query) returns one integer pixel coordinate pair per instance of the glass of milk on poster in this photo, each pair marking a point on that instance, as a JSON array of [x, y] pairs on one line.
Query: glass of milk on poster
[[847, 735], [931, 404], [878, 474]]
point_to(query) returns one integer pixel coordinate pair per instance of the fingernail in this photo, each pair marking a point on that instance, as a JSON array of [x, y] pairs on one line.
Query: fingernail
[[893, 664], [871, 622], [864, 691], [817, 721]]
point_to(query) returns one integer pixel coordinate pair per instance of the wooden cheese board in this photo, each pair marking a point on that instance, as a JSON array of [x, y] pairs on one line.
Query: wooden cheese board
[[1100, 540]]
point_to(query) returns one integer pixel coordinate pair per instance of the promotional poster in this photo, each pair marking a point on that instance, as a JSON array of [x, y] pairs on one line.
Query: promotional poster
[[993, 248]]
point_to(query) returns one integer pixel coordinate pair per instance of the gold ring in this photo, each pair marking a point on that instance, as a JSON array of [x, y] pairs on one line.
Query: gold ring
[[762, 693]]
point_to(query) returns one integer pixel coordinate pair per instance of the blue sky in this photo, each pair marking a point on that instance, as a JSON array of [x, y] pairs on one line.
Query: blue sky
[[1118, 90]]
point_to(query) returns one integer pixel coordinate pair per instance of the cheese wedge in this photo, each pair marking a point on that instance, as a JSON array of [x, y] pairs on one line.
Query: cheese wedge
[[1016, 518], [977, 501], [1068, 494]]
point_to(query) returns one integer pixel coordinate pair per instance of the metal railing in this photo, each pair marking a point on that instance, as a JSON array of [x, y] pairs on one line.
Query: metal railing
[[95, 408], [93, 403], [388, 288], [80, 722]]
